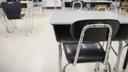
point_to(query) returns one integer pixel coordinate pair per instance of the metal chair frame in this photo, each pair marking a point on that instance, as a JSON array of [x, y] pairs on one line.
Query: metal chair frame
[[80, 43], [25, 18], [75, 2]]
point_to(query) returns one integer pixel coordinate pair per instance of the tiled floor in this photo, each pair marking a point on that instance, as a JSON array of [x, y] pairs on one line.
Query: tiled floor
[[37, 52]]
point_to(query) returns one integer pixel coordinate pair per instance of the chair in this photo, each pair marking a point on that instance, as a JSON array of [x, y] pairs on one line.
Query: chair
[[76, 2], [87, 48], [12, 11], [39, 3], [27, 10], [115, 6], [72, 4], [124, 7], [65, 4], [100, 8]]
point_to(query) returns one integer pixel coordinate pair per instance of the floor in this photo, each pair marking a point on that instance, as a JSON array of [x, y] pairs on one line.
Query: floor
[[37, 52]]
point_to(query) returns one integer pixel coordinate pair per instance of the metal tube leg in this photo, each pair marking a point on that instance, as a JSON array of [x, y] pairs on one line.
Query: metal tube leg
[[60, 58], [125, 64], [45, 5], [120, 49], [62, 5], [125, 61], [26, 24], [30, 23], [9, 28], [81, 5], [55, 4], [73, 5], [42, 9], [64, 69], [126, 70], [97, 67], [5, 23], [14, 23], [103, 44], [116, 10], [107, 67], [32, 18], [6, 28]]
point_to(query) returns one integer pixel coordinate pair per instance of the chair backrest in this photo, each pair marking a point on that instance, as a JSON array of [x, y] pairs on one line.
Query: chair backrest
[[94, 34], [100, 8], [77, 3], [36, 0], [11, 0], [12, 9]]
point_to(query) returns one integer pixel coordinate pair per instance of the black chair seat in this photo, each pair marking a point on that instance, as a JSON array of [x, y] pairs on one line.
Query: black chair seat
[[21, 16], [89, 52]]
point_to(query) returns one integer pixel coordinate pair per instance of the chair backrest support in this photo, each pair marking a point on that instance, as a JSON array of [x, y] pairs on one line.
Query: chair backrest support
[[83, 26], [93, 34]]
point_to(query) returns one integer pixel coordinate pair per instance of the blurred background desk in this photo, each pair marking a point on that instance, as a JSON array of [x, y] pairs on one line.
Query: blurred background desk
[[92, 3]]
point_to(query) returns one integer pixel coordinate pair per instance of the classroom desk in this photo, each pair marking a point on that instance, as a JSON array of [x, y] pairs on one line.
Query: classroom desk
[[97, 1], [68, 3], [68, 17], [62, 20]]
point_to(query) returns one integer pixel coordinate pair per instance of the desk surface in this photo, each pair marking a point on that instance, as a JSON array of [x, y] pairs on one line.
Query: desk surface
[[68, 17], [100, 1]]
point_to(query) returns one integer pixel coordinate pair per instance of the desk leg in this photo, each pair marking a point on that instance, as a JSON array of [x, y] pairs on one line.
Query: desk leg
[[120, 49], [60, 58]]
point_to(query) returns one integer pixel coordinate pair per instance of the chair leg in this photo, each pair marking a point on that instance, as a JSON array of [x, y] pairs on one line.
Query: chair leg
[[9, 28], [55, 7], [32, 18], [63, 5], [107, 67], [103, 44], [14, 23], [30, 22], [125, 63], [64, 68], [120, 49], [81, 5], [60, 58], [126, 68], [73, 5], [97, 67], [26, 26], [44, 7], [6, 28]]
